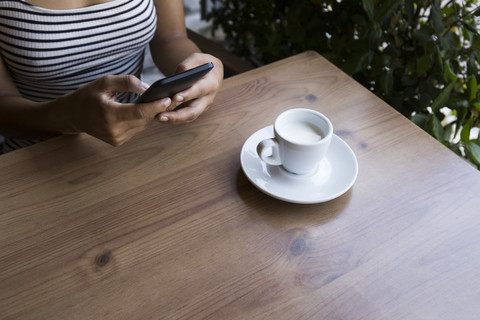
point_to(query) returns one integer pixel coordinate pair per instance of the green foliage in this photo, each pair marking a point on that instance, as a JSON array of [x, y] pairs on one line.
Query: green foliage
[[417, 55]]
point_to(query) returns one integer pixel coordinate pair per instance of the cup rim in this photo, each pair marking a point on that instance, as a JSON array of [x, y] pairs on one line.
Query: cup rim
[[325, 139]]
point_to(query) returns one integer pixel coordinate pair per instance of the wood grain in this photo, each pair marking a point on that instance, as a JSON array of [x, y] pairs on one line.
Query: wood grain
[[168, 227]]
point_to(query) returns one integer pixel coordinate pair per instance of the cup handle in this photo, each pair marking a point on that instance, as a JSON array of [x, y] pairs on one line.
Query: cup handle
[[267, 150]]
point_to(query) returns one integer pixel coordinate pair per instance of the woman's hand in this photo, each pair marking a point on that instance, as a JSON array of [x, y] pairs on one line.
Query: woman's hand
[[189, 104], [93, 109]]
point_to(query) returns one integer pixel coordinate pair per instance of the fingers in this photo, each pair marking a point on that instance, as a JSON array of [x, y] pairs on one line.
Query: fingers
[[190, 112], [191, 61], [206, 86], [199, 89], [121, 83], [150, 110], [189, 104], [210, 83], [115, 122], [111, 85]]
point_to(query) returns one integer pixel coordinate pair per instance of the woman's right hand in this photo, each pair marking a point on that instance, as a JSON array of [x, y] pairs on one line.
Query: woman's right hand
[[93, 109]]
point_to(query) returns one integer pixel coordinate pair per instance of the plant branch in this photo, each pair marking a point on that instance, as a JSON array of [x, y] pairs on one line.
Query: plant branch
[[459, 19]]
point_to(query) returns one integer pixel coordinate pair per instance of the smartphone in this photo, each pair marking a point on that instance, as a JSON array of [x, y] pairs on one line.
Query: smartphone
[[168, 86]]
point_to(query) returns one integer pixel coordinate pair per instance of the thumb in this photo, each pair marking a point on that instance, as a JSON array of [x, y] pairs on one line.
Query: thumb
[[123, 83], [183, 66]]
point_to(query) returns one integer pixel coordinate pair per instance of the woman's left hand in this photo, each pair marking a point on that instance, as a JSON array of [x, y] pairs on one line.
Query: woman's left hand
[[189, 104]]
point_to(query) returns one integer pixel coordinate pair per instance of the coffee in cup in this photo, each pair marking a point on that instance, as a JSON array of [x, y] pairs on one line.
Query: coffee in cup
[[301, 140]]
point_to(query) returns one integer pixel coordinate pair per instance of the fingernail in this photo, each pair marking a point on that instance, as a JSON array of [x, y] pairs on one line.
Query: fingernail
[[168, 102], [145, 85], [179, 98], [163, 119]]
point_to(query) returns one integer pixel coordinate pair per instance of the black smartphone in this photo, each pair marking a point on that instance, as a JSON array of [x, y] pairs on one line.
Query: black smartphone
[[168, 86]]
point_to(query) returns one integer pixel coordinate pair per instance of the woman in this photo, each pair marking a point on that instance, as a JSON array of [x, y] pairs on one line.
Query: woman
[[73, 66]]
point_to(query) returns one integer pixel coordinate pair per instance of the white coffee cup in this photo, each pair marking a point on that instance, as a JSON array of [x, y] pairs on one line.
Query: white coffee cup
[[302, 138]]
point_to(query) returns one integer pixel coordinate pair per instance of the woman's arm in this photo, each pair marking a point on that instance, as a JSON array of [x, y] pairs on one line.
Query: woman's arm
[[170, 45], [22, 118], [91, 109], [173, 52]]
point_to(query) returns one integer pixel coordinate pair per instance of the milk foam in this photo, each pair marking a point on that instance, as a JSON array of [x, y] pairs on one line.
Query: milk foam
[[301, 132]]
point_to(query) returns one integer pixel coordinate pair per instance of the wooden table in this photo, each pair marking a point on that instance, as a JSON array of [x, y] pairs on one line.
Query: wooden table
[[167, 226]]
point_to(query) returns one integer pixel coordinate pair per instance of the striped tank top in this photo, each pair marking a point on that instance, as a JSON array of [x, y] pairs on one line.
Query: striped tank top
[[52, 52]]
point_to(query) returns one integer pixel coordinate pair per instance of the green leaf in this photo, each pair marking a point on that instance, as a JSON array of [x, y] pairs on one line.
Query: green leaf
[[461, 103], [378, 30], [386, 9], [408, 81], [409, 10], [473, 150], [441, 100], [424, 35], [476, 104], [448, 11], [473, 87], [465, 133], [476, 43], [369, 7], [439, 59], [386, 82], [448, 41], [448, 73], [424, 64], [420, 120], [434, 126], [447, 136], [472, 65], [468, 35], [476, 11], [461, 115], [356, 63], [437, 19], [469, 27]]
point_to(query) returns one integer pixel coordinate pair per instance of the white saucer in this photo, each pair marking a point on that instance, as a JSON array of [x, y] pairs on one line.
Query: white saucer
[[336, 173]]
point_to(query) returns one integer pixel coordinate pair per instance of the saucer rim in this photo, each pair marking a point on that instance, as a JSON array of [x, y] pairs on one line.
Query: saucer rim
[[335, 139]]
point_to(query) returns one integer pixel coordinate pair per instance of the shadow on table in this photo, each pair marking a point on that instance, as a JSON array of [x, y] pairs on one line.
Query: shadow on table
[[280, 212]]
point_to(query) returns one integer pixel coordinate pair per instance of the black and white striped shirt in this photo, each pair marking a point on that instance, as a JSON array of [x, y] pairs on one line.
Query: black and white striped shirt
[[52, 52]]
